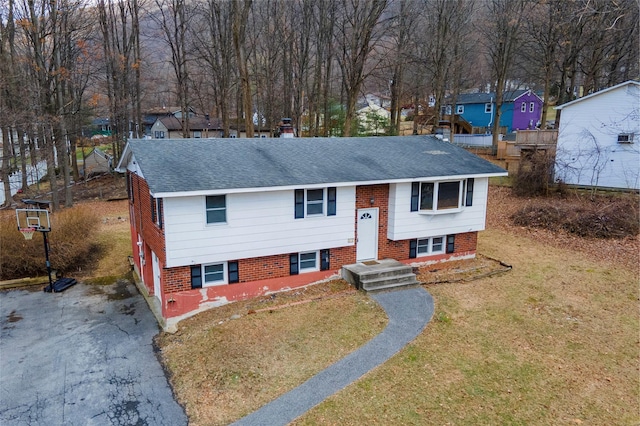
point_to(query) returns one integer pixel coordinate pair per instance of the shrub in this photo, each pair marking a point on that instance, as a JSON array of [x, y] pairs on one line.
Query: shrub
[[600, 217], [535, 173], [71, 244]]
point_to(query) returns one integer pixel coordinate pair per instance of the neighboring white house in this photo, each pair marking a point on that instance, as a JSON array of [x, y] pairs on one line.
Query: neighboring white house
[[599, 139], [373, 119], [214, 220]]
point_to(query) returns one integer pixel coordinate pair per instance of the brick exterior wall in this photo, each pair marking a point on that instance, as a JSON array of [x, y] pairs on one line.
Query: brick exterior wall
[[387, 249], [143, 225], [178, 279], [466, 242]]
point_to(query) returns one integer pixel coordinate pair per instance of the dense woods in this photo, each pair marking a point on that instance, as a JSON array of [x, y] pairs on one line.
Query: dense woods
[[250, 63]]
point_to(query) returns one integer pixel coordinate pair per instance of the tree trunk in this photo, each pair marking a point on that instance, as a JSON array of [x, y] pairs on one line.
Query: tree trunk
[[239, 31]]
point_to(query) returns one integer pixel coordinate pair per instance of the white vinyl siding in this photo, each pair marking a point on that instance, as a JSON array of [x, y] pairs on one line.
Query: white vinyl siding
[[257, 224], [405, 224], [588, 151]]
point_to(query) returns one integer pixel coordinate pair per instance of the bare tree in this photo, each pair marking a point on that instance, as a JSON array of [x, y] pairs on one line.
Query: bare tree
[[240, 14], [501, 30], [355, 39], [120, 43], [214, 50], [173, 19]]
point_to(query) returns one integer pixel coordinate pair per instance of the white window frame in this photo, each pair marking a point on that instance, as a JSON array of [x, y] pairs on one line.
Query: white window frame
[[206, 210], [324, 202], [224, 279], [316, 266], [158, 134], [488, 108], [460, 109], [523, 107], [532, 106], [436, 189], [424, 246], [625, 138]]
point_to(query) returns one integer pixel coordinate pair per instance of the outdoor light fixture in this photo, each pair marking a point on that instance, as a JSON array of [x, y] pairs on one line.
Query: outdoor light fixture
[[372, 200]]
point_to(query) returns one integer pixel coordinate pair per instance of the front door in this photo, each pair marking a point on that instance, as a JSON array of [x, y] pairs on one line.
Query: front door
[[367, 243]]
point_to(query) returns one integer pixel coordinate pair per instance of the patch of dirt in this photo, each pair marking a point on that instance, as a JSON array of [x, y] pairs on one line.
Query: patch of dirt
[[461, 270]]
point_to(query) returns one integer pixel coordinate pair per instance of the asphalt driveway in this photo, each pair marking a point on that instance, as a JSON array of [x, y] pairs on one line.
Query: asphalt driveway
[[81, 357]]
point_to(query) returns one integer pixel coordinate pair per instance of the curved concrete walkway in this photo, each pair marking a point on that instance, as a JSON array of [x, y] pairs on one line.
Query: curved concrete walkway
[[409, 310]]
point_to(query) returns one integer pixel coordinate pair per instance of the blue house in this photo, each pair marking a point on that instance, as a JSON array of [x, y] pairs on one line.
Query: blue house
[[476, 111]]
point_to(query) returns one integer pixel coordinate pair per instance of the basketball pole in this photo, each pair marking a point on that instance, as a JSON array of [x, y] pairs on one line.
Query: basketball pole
[[46, 256]]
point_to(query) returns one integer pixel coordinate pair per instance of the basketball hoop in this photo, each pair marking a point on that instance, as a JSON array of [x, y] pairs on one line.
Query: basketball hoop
[[28, 233]]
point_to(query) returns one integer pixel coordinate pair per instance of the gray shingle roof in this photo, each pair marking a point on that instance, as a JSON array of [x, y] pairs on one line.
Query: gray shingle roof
[[483, 98], [190, 165]]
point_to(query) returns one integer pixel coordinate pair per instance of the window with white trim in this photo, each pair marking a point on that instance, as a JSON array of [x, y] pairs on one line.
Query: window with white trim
[[315, 202], [197, 134], [216, 208], [441, 196], [460, 109], [308, 261], [213, 274], [428, 246], [532, 106], [158, 134], [488, 108], [523, 107], [625, 138]]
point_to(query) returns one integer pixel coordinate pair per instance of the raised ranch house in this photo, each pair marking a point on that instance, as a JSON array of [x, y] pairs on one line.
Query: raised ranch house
[[218, 220]]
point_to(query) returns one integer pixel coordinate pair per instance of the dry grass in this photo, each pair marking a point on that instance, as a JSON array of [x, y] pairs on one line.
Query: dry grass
[[228, 362], [555, 341], [113, 242]]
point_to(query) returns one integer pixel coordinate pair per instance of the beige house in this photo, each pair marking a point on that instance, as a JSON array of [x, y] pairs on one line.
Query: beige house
[[170, 127]]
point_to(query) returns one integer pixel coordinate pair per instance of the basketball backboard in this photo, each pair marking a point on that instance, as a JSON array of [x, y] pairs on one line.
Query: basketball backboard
[[37, 219]]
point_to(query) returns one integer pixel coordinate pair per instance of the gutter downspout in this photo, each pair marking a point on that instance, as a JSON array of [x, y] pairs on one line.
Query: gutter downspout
[[491, 120]]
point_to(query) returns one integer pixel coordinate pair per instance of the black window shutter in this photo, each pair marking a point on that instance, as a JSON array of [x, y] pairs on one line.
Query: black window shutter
[[196, 276], [469, 195], [415, 196], [299, 200], [331, 201], [160, 211], [234, 276], [153, 209], [324, 260], [293, 264], [451, 243], [413, 246]]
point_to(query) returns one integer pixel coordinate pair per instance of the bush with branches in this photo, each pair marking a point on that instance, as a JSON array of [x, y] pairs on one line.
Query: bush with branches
[[71, 244], [535, 173]]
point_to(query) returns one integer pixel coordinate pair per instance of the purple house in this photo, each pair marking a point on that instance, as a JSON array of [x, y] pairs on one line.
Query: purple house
[[527, 111]]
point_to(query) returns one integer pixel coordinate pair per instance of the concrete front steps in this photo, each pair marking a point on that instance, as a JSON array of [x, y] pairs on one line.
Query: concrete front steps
[[377, 275]]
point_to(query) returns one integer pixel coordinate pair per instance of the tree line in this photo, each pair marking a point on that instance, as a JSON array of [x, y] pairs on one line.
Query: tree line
[[251, 62]]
